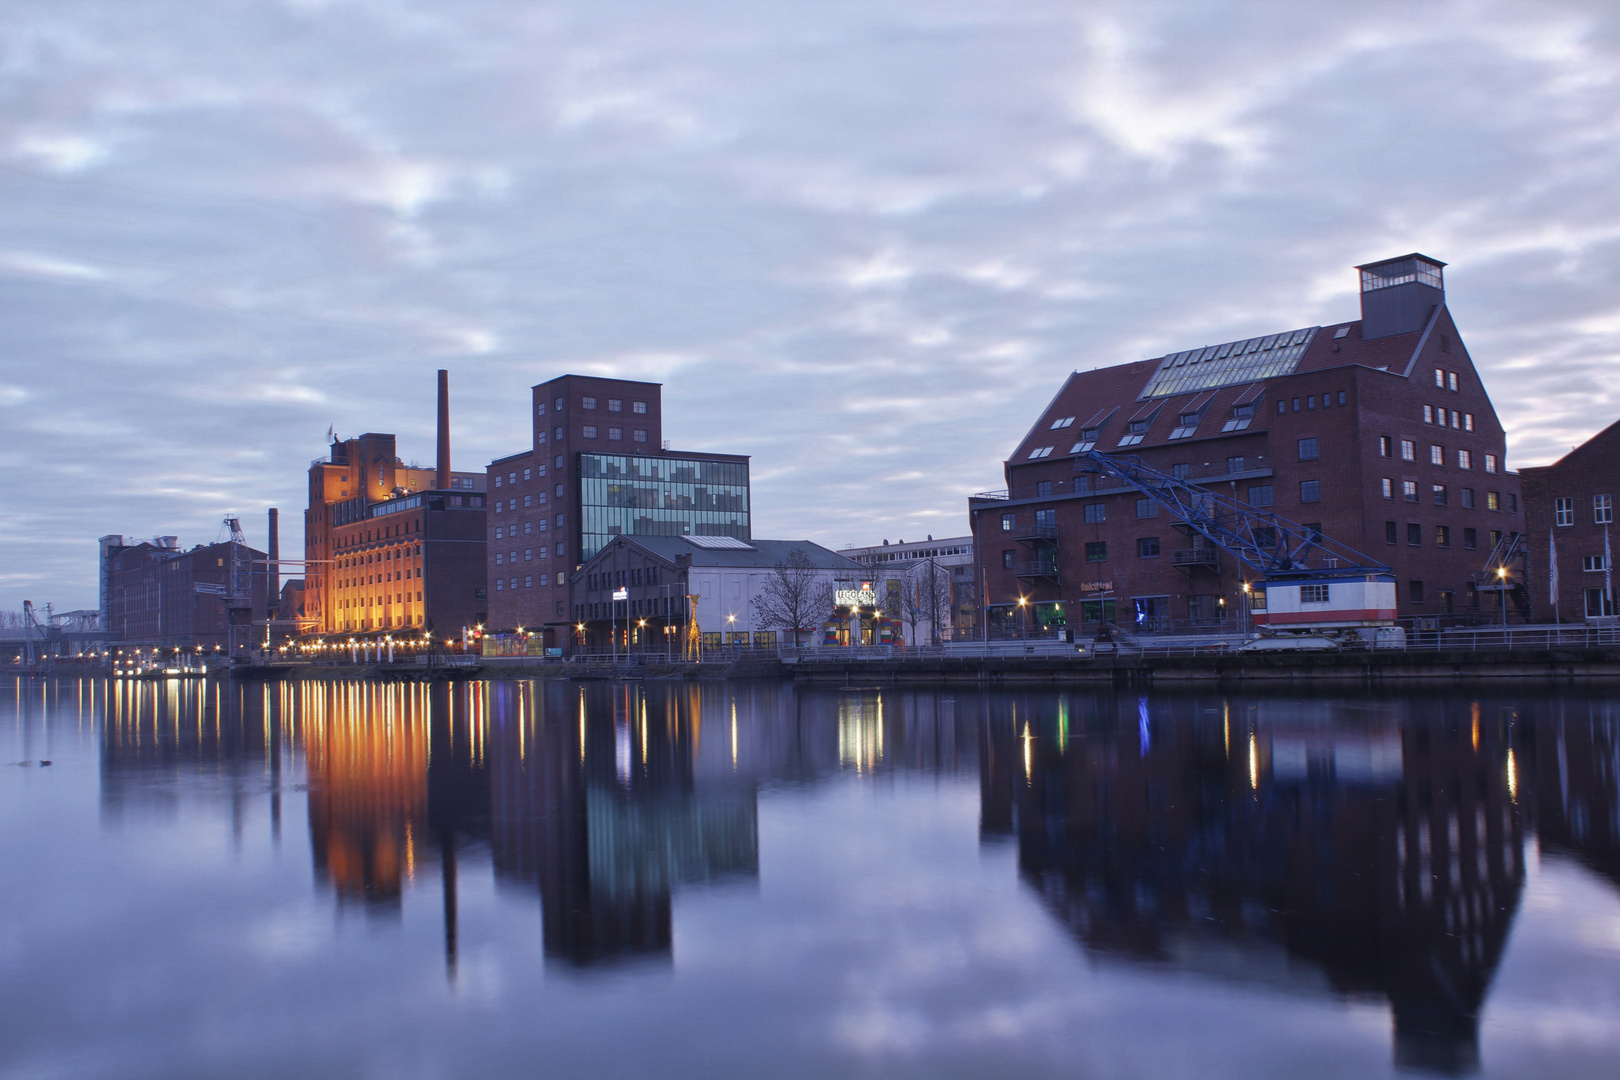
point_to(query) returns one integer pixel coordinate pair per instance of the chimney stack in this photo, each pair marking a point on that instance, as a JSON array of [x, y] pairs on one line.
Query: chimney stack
[[273, 597], [441, 480]]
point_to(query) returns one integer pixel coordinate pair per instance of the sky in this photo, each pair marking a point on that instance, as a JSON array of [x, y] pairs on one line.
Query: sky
[[863, 242]]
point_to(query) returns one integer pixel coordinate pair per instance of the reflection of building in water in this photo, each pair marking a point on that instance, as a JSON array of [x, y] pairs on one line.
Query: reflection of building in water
[[366, 750], [1385, 849], [1577, 783], [595, 801]]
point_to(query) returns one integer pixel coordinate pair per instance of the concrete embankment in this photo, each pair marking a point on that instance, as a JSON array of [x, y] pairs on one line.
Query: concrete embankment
[[1304, 668]]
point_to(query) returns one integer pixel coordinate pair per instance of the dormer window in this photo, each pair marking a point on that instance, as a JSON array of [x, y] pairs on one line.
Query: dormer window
[[1241, 417], [1186, 425], [1138, 430]]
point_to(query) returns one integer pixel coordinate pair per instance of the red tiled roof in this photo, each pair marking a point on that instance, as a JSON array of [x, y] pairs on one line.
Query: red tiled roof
[[1090, 395]]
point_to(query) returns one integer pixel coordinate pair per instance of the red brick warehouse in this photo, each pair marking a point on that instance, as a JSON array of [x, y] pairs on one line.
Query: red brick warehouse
[[1377, 432]]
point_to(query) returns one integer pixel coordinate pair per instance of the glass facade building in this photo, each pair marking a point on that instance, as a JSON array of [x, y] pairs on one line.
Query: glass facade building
[[622, 495]]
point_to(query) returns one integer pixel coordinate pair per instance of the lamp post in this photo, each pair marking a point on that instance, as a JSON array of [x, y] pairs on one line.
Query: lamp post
[[731, 623], [1501, 580], [1023, 618]]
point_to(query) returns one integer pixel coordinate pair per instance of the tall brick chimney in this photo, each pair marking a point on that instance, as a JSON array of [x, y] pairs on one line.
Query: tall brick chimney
[[441, 479]]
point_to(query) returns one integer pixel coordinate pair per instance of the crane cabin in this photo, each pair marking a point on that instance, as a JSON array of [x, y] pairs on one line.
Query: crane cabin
[[1325, 603]]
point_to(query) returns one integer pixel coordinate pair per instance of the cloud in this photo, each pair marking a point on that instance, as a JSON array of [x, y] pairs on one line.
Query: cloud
[[237, 226]]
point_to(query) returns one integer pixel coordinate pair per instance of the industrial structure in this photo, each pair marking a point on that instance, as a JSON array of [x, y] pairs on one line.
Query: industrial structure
[[1376, 433], [391, 548], [597, 468], [212, 596]]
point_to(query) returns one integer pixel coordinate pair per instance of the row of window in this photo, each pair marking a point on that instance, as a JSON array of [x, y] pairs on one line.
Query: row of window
[[1436, 414], [1442, 495], [529, 555], [1442, 378], [528, 474], [610, 579], [929, 553], [1310, 403], [613, 405], [1602, 510], [1442, 535], [503, 584], [1437, 454]]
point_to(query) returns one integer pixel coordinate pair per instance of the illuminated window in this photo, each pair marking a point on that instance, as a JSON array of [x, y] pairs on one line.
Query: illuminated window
[[1388, 485], [1439, 491], [1465, 459], [1468, 421], [1428, 414], [1439, 378], [1409, 490], [1442, 535], [1408, 450], [1493, 500], [1451, 379], [1437, 455], [1490, 463]]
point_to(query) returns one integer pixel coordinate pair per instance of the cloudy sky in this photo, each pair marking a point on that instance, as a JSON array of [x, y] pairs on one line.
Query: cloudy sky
[[861, 241]]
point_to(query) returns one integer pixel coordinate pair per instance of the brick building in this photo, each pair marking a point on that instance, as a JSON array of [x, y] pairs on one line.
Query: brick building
[[1569, 510], [1377, 432], [391, 546], [160, 596], [597, 468]]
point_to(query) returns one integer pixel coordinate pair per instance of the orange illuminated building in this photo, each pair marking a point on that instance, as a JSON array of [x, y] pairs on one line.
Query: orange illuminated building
[[393, 547]]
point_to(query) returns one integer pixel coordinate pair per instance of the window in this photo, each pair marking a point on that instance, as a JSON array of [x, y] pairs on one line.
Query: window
[[1465, 459], [1490, 463], [1414, 534], [1466, 497], [1009, 559], [526, 473], [615, 404], [1513, 503], [1408, 450], [1282, 406], [1563, 512], [1386, 446], [639, 408], [1437, 455], [1409, 490], [1261, 495], [1451, 378], [1470, 539], [1496, 537], [589, 403], [1097, 551], [1234, 464], [1602, 509], [1310, 402], [615, 433], [1493, 500], [497, 558], [1439, 378], [1414, 591], [497, 584], [1594, 564], [1147, 547], [1181, 471], [528, 500], [1428, 414], [498, 479], [1341, 399], [640, 435], [1040, 452], [1439, 491], [1391, 534], [1046, 521], [1147, 508], [1296, 404], [528, 554], [1096, 512], [540, 409], [1468, 421], [1089, 435], [1442, 536], [1307, 449], [1599, 603], [1043, 489], [1313, 594], [1456, 419], [1388, 486], [528, 582], [1006, 523], [1061, 422], [1242, 416], [590, 429], [1310, 491]]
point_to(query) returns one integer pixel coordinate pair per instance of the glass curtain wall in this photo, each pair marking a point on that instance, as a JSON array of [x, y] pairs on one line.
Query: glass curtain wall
[[637, 496]]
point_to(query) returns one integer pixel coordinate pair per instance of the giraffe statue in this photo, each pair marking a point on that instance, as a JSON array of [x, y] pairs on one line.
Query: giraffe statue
[[694, 636]]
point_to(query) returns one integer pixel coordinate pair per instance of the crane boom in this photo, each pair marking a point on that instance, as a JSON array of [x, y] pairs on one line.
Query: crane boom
[[1267, 543]]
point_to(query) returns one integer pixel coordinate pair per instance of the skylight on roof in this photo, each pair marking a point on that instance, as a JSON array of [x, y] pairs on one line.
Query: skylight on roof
[[1230, 363], [715, 542]]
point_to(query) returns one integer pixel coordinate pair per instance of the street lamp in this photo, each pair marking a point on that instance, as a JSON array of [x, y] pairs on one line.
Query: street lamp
[[1501, 580], [1023, 617]]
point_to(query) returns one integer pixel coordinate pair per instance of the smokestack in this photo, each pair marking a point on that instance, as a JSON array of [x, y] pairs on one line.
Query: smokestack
[[273, 597], [442, 480]]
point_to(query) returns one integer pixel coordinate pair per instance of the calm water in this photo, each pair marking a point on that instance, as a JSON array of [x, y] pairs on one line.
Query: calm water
[[516, 879]]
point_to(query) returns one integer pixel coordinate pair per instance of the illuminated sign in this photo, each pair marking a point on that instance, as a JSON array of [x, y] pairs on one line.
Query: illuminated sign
[[1096, 586], [621, 594], [865, 597]]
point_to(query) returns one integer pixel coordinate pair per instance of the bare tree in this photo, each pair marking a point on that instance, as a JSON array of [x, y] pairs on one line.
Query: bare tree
[[925, 597], [794, 596]]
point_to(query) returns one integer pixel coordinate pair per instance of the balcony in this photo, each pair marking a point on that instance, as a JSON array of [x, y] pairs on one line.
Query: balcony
[[1195, 557], [1036, 569], [1038, 534]]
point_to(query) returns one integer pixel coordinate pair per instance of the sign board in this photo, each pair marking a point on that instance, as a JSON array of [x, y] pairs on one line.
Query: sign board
[[1096, 586], [621, 594], [866, 597]]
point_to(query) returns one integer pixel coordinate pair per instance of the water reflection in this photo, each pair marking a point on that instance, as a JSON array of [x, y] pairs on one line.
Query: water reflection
[[1348, 848]]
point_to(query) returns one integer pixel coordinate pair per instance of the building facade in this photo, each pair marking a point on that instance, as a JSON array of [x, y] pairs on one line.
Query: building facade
[[1377, 433], [1568, 519], [638, 588], [159, 596], [391, 547], [598, 468], [914, 579]]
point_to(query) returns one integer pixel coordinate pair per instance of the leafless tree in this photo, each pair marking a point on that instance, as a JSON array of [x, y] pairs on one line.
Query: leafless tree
[[925, 597], [794, 597]]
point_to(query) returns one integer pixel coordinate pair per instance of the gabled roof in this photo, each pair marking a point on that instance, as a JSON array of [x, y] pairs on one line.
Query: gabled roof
[[763, 554], [1114, 395]]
